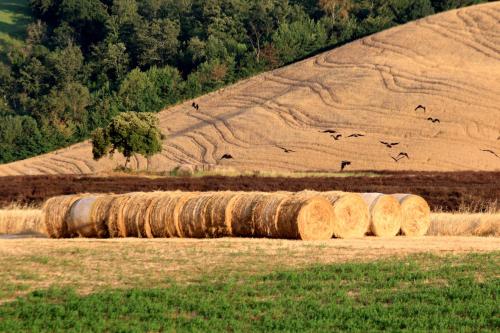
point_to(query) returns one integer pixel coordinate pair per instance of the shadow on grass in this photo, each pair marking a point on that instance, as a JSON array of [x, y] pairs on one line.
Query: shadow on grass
[[455, 293]]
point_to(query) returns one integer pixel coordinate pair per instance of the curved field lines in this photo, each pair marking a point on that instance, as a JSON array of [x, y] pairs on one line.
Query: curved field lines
[[431, 88]]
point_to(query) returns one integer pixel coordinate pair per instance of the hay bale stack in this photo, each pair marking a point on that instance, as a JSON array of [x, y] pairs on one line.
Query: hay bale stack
[[80, 218], [218, 214], [416, 214], [163, 213], [351, 214], [206, 215], [305, 216], [242, 213], [265, 215], [115, 218], [100, 214], [88, 216], [136, 221], [192, 216], [55, 214], [18, 220], [385, 214]]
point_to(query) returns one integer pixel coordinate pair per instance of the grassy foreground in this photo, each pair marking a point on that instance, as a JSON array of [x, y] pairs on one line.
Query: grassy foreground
[[424, 292]]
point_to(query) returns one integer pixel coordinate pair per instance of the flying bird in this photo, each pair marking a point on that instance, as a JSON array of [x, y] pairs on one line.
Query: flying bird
[[286, 150], [400, 156], [434, 120], [344, 164], [490, 151], [356, 135], [420, 106], [330, 131], [389, 145], [193, 105], [226, 157], [336, 137]]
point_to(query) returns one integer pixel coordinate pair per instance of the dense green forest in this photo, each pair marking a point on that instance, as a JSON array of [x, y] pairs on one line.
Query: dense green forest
[[85, 61]]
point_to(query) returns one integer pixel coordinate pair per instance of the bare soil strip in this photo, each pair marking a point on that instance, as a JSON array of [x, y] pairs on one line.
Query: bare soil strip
[[443, 190]]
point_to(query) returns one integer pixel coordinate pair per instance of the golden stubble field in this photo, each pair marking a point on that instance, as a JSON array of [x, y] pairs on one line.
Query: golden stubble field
[[449, 63]]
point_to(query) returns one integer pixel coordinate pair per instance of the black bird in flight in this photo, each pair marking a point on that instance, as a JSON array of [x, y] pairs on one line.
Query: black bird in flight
[[336, 137], [420, 106], [195, 106], [388, 144], [491, 152], [330, 131], [344, 164], [356, 135], [226, 157], [434, 120], [400, 157], [286, 150]]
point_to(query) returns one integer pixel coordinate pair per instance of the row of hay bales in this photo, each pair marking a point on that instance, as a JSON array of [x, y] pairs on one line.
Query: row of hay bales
[[305, 215]]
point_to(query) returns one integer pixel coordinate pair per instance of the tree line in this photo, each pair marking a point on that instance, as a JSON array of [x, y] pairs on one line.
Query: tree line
[[85, 61]]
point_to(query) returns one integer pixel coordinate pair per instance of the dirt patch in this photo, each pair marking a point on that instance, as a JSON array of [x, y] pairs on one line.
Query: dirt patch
[[443, 190]]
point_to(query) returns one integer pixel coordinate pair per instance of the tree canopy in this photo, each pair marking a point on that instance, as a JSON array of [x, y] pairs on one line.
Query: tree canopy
[[128, 133]]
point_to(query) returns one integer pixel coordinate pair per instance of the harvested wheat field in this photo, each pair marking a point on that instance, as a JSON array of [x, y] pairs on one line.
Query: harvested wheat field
[[449, 63]]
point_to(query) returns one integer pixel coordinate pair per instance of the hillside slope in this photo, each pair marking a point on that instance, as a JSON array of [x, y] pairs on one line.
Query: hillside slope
[[449, 63]]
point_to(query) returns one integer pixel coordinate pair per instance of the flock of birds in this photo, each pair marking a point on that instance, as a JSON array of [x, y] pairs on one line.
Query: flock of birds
[[337, 136]]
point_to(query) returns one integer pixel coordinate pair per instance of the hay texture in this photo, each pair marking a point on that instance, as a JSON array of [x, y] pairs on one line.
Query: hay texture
[[115, 218], [88, 216], [242, 213], [163, 213], [385, 214], [416, 214], [55, 213], [305, 216], [18, 220], [351, 214], [135, 214], [206, 215]]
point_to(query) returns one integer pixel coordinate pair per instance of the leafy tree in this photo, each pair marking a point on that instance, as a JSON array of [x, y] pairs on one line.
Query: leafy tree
[[298, 39], [128, 133]]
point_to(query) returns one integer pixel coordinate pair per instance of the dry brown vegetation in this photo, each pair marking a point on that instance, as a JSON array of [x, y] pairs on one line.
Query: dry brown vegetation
[[21, 220], [463, 224], [448, 62]]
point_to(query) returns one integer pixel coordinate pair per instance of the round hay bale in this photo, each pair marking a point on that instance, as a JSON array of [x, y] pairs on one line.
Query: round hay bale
[[265, 215], [100, 213], [161, 214], [192, 217], [416, 214], [116, 221], [305, 216], [385, 214], [242, 219], [185, 170], [80, 218], [135, 216], [218, 214], [55, 214], [351, 214]]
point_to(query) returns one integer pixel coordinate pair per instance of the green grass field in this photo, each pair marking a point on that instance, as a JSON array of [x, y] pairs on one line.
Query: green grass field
[[419, 293], [15, 15]]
